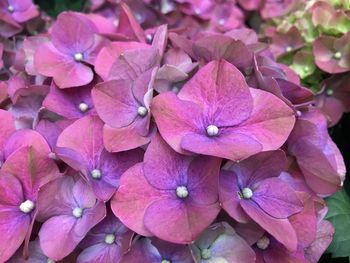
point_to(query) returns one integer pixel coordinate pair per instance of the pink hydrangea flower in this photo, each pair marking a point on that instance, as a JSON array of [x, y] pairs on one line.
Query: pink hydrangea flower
[[67, 216], [73, 48], [251, 188], [85, 153], [217, 114], [165, 195]]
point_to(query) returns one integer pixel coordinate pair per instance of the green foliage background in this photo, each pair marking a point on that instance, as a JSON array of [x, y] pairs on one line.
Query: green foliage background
[[54, 7]]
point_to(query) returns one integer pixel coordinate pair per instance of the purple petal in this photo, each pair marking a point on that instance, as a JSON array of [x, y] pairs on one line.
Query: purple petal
[[281, 229], [277, 198]]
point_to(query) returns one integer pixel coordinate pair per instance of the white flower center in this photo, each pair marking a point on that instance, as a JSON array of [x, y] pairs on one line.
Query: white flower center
[[27, 206], [142, 111], [96, 174], [181, 192], [175, 89], [165, 261], [78, 56], [83, 107], [149, 37], [289, 49], [205, 253], [337, 55], [109, 239], [212, 130], [247, 193], [10, 8], [330, 92], [263, 243], [77, 212], [49, 260], [221, 21]]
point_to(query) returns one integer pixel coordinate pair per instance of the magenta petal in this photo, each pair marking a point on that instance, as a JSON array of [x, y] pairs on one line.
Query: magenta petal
[[58, 242], [110, 53], [66, 102], [217, 47], [281, 229], [115, 102], [142, 251], [178, 222], [129, 66], [277, 198], [15, 224], [59, 204], [202, 180], [7, 124], [212, 88], [73, 33], [100, 253], [160, 160], [259, 167], [129, 26], [229, 145], [84, 136], [65, 71], [123, 139], [169, 111], [229, 198], [270, 122], [32, 168], [129, 206]]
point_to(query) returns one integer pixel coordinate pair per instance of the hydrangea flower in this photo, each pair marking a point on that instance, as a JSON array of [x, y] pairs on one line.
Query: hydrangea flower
[[251, 188], [70, 103], [332, 54], [106, 242], [124, 106], [155, 250], [284, 43], [67, 216], [13, 13], [316, 154], [165, 195], [220, 243], [85, 153], [217, 114], [73, 47], [334, 97], [23, 173]]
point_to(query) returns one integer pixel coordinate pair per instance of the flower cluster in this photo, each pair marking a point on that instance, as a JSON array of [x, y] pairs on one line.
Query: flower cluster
[[314, 41], [160, 131]]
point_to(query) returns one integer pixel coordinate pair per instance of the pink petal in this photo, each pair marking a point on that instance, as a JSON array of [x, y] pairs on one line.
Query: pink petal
[[163, 167], [281, 229], [110, 53], [66, 72], [212, 88], [73, 33], [277, 198], [115, 102], [229, 199], [133, 197], [123, 139], [169, 111], [178, 222], [270, 122]]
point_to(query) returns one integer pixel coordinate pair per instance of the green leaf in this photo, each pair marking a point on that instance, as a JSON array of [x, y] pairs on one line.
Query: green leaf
[[339, 215]]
